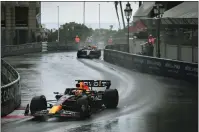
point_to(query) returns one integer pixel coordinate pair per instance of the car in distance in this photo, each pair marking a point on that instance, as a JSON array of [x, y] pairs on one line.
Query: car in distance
[[91, 52]]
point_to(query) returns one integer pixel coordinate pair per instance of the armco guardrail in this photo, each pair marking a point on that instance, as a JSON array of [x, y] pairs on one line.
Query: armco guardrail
[[54, 46], [10, 93], [13, 50], [158, 66]]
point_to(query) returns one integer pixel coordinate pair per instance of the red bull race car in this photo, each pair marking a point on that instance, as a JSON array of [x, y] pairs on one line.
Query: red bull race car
[[89, 52], [75, 102]]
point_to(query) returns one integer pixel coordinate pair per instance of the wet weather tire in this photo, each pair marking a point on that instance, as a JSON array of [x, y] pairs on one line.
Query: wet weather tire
[[84, 108], [38, 103], [111, 98]]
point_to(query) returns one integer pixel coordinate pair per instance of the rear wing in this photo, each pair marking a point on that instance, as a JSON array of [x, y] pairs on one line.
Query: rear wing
[[96, 83]]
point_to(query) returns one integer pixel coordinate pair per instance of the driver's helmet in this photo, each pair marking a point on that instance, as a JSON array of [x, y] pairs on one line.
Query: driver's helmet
[[81, 85]]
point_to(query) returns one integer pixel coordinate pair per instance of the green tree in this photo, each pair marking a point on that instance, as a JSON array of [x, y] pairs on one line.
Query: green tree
[[69, 32]]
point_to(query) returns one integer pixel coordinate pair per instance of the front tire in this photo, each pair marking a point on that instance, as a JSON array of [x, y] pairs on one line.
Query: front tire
[[38, 103], [84, 108]]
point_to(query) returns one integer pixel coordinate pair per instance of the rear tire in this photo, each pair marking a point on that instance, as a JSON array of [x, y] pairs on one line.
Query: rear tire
[[38, 103], [111, 98]]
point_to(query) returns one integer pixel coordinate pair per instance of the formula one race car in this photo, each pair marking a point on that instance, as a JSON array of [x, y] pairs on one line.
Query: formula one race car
[[89, 52], [71, 104]]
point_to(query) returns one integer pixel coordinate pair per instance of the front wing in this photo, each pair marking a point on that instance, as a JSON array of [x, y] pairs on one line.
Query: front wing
[[62, 113]]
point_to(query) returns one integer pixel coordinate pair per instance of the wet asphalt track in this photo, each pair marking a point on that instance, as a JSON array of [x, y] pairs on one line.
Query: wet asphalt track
[[147, 103]]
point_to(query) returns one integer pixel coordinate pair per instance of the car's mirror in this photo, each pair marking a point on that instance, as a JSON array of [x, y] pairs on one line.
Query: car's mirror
[[56, 92]]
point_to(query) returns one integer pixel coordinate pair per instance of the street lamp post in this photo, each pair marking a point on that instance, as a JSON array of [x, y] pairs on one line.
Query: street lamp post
[[128, 14], [158, 11], [58, 23]]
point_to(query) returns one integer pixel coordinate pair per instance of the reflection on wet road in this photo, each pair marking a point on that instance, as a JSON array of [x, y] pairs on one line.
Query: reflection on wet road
[[147, 103]]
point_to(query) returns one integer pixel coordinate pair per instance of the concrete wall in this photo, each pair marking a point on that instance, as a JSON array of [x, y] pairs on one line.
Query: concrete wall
[[12, 50], [152, 65], [10, 93], [54, 46]]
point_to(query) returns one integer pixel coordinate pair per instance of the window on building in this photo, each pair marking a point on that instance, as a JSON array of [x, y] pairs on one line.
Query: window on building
[[3, 22], [21, 16]]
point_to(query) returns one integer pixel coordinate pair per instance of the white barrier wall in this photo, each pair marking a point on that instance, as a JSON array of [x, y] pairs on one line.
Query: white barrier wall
[[171, 52], [186, 53]]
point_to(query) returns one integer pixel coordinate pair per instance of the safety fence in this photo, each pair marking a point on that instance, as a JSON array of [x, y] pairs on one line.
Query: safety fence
[[158, 66], [10, 93]]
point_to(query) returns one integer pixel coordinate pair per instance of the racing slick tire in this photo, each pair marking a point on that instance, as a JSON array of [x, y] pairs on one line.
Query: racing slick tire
[[84, 107], [110, 98], [38, 103], [78, 54]]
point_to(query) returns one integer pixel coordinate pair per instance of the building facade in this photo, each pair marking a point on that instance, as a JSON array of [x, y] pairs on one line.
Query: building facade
[[20, 22]]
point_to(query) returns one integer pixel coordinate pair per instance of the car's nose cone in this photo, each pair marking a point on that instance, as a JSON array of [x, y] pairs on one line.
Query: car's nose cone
[[55, 109]]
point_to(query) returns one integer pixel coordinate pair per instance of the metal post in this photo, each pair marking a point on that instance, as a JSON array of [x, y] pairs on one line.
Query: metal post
[[99, 16], [84, 14], [158, 32], [122, 14], [58, 24], [128, 36]]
